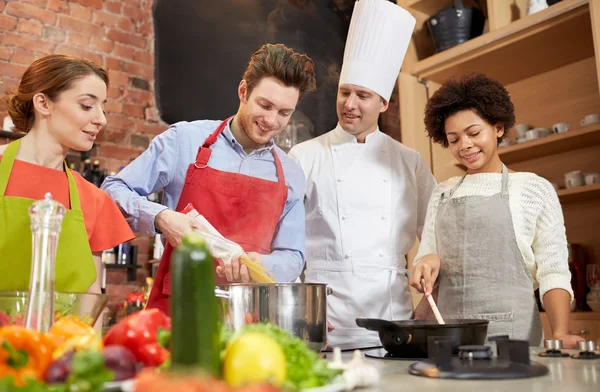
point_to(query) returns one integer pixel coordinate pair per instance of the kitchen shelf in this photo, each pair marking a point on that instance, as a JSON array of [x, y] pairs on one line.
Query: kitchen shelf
[[428, 7], [11, 135], [549, 145], [580, 193], [534, 44]]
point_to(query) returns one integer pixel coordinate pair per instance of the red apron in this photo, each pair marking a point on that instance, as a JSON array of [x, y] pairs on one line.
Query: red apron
[[242, 208]]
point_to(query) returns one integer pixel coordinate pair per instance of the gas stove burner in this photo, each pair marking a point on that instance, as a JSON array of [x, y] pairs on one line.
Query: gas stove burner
[[586, 350], [512, 361], [383, 354], [475, 352], [553, 348]]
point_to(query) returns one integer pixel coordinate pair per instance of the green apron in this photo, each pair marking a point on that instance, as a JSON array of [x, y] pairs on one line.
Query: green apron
[[75, 270]]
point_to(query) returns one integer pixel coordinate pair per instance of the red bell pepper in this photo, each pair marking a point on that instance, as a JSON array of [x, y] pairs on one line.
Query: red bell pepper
[[139, 333]]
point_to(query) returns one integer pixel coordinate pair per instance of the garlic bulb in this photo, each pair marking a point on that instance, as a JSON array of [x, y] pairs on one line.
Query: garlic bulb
[[357, 373]]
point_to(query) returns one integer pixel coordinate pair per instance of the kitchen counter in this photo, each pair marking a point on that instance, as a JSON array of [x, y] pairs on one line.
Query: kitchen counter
[[565, 375]]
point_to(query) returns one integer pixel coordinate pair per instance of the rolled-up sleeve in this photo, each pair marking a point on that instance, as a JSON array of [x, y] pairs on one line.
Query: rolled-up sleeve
[[550, 245], [286, 260], [151, 171]]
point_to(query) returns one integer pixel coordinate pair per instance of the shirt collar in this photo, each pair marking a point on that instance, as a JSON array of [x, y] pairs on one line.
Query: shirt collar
[[228, 135], [340, 136]]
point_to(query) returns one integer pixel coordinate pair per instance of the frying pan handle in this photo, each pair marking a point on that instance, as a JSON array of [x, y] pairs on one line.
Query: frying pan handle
[[400, 336]]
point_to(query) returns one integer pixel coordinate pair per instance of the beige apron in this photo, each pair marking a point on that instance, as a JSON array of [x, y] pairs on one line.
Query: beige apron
[[483, 274]]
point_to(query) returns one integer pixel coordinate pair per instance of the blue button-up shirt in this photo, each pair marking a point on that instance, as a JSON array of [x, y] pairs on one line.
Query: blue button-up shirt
[[164, 165]]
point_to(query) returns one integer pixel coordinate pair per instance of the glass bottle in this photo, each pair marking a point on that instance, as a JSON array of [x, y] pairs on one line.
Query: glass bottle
[[46, 222]]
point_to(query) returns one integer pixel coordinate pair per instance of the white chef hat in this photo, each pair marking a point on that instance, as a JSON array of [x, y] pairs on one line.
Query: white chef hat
[[377, 41]]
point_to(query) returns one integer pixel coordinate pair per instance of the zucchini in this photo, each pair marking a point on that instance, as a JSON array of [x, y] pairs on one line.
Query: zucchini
[[194, 312]]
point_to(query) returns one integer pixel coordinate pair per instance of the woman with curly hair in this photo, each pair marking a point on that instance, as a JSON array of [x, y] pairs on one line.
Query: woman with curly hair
[[491, 236]]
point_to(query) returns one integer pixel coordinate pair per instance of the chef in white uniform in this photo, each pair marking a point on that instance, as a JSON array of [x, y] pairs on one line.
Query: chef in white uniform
[[366, 194]]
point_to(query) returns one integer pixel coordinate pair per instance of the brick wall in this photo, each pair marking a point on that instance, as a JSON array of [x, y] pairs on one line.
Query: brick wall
[[117, 35]]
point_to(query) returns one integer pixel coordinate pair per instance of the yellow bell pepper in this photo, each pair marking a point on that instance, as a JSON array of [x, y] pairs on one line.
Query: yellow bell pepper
[[24, 353]]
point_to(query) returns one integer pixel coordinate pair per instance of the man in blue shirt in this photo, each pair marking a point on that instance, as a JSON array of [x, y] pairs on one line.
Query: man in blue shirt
[[232, 173]]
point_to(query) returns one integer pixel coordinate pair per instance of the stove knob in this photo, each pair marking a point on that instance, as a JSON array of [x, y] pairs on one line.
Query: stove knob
[[475, 352], [586, 346], [552, 344]]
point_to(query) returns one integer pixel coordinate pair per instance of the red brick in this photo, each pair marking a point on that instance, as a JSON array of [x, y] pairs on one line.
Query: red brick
[[135, 96], [151, 114], [79, 40], [35, 45], [125, 38], [79, 26], [113, 6], [135, 3], [111, 135], [39, 3], [145, 29], [105, 19], [4, 53], [114, 92], [71, 51], [118, 78], [55, 34], [134, 13], [120, 122], [101, 45], [118, 151], [59, 6], [30, 27], [2, 5], [90, 3], [11, 84], [144, 58], [21, 56], [134, 110], [141, 70], [113, 106], [150, 128], [125, 52], [125, 24], [12, 70], [80, 12], [112, 64], [26, 11], [7, 22]]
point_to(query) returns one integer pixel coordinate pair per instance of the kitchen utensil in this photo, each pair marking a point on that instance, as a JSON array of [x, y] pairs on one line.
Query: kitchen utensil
[[553, 349], [521, 129], [590, 119], [300, 308], [561, 127], [591, 178], [434, 307], [574, 179], [454, 25], [408, 338]]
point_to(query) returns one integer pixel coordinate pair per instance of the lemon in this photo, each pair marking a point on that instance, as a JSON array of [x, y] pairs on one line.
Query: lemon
[[254, 358]]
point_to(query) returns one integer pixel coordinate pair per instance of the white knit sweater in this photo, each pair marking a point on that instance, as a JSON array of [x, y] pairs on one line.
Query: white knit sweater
[[537, 219]]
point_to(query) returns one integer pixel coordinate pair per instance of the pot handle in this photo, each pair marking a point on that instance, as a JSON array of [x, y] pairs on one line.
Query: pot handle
[[379, 325], [329, 291], [221, 293], [458, 6]]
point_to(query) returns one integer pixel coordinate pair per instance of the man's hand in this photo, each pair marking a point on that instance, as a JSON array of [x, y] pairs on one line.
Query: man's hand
[[330, 327], [235, 271], [174, 225]]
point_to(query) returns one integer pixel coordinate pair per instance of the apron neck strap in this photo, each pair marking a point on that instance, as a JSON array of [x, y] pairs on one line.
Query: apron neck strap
[[6, 165], [204, 151], [504, 184], [278, 166]]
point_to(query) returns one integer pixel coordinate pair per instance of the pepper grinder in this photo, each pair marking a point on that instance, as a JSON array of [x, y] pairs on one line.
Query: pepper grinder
[[46, 222]]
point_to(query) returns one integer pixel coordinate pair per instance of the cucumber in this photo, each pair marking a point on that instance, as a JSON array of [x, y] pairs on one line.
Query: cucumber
[[194, 311]]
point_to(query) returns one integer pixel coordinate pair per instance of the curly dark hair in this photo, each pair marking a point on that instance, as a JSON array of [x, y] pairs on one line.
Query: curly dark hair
[[477, 92]]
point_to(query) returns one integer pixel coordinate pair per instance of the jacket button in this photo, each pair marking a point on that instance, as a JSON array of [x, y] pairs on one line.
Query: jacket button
[[381, 255], [383, 218], [339, 180], [344, 217], [385, 180], [347, 257]]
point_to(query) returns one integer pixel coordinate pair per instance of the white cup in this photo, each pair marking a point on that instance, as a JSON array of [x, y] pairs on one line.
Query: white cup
[[521, 129], [591, 178], [555, 186], [574, 179], [561, 127], [590, 119], [544, 131], [532, 134]]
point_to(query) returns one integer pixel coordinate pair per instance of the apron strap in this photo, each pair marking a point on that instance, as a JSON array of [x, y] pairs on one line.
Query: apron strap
[[504, 181], [451, 191], [6, 165], [204, 151], [278, 166]]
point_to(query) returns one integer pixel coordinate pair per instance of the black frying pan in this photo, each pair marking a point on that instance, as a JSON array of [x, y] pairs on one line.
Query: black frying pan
[[408, 338]]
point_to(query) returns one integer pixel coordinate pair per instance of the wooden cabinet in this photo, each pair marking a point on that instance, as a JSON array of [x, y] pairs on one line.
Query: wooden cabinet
[[585, 324], [550, 64]]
